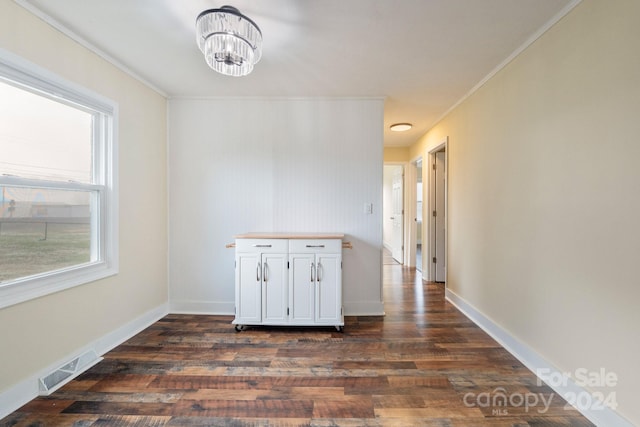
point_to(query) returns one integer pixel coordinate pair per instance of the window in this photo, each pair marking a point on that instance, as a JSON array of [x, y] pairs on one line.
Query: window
[[58, 193]]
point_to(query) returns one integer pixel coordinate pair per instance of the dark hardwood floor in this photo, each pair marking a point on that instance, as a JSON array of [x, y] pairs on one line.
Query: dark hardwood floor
[[423, 364]]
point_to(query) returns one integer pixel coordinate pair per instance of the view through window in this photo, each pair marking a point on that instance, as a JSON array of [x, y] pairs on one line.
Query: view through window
[[43, 229], [56, 185]]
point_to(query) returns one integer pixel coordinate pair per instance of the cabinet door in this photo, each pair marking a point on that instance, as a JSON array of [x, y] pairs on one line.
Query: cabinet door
[[274, 289], [328, 289], [248, 289], [302, 275]]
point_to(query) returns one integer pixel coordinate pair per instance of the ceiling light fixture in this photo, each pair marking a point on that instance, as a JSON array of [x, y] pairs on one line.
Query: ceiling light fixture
[[231, 42], [401, 127]]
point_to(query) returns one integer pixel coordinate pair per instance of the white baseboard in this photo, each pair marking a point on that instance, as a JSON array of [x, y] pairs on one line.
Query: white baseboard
[[203, 307], [26, 390], [354, 308], [604, 417]]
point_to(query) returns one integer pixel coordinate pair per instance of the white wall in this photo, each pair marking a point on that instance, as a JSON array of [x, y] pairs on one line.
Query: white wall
[[240, 165], [544, 196], [44, 331]]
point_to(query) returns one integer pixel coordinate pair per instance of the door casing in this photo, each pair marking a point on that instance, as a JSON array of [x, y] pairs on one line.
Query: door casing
[[429, 266]]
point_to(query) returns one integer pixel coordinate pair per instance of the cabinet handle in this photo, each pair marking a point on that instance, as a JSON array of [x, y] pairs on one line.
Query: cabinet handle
[[261, 246], [318, 270], [313, 279], [315, 246], [258, 268], [264, 272]]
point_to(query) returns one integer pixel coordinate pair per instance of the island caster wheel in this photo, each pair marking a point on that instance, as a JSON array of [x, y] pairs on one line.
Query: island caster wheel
[[340, 328], [239, 328]]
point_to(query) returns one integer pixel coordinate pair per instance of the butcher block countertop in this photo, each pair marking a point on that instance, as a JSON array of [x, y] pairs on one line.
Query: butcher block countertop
[[289, 236]]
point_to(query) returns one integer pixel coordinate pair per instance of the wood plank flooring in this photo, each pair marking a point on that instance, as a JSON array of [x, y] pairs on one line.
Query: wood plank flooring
[[423, 364]]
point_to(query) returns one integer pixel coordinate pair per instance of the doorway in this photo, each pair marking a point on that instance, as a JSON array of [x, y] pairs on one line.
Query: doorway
[[397, 215], [437, 256], [393, 206]]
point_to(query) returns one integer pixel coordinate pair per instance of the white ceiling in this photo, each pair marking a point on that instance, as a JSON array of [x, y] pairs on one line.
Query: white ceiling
[[423, 56]]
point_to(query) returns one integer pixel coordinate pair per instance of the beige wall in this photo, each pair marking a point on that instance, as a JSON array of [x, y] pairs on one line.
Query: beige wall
[[40, 332], [396, 154], [544, 195]]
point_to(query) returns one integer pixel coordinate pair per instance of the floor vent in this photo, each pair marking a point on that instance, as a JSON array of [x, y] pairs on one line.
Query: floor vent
[[65, 373]]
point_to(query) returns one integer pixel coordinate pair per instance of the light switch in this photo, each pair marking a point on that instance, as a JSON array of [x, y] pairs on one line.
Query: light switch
[[368, 208]]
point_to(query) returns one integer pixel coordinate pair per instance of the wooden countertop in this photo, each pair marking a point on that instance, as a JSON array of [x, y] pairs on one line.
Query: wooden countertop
[[289, 236]]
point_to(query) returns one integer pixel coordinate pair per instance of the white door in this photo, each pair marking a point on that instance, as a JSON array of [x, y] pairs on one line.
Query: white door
[[418, 218], [302, 280], [440, 175], [248, 289], [328, 289], [397, 215], [274, 289]]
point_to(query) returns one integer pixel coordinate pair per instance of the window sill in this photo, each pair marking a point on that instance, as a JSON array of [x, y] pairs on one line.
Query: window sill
[[28, 288]]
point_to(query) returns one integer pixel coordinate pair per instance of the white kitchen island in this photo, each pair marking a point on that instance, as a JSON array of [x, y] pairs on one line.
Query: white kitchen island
[[288, 279]]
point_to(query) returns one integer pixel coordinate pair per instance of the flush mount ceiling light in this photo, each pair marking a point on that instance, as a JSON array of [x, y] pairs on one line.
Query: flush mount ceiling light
[[400, 127], [231, 42]]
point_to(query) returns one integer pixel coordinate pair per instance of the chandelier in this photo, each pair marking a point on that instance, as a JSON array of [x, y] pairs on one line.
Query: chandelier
[[231, 42]]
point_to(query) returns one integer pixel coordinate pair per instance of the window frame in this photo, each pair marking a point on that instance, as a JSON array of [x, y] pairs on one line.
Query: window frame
[[28, 76]]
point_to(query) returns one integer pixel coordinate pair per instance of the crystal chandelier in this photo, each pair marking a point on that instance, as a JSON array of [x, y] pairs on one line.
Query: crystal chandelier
[[231, 42]]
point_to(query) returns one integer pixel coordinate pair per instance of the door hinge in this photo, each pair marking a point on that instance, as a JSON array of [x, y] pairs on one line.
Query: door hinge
[[287, 311], [435, 213], [434, 166], [435, 260], [287, 265]]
